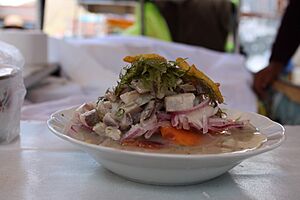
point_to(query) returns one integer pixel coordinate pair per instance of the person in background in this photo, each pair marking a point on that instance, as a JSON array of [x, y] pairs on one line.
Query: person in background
[[285, 45], [205, 23]]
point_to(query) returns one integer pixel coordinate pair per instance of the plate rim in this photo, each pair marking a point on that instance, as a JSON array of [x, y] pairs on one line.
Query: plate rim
[[247, 153]]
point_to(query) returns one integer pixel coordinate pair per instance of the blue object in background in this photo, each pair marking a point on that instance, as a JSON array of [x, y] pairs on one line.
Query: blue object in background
[[288, 68], [284, 110]]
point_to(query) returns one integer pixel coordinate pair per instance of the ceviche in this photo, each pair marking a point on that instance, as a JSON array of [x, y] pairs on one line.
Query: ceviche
[[163, 105]]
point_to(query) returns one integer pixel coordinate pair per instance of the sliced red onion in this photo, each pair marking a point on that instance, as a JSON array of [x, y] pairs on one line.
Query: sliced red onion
[[184, 121], [135, 131], [179, 126], [149, 126], [196, 126], [155, 128], [200, 105], [163, 116], [205, 125], [148, 134], [175, 120], [210, 128]]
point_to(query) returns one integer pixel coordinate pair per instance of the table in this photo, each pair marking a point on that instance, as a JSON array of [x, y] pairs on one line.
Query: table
[[41, 166]]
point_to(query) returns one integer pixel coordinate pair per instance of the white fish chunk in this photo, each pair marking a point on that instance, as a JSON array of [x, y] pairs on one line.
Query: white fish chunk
[[179, 102]]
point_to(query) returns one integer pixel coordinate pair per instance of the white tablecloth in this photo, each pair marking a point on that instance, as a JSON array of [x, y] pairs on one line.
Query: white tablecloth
[[41, 166]]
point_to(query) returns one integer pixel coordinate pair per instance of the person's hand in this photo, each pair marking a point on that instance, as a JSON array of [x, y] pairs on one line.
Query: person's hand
[[264, 78]]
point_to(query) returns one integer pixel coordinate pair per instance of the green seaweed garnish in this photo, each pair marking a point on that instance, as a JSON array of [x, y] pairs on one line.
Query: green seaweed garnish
[[156, 75]]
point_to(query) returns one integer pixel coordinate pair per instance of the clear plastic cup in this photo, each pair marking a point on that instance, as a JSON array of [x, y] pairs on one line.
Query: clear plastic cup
[[12, 92]]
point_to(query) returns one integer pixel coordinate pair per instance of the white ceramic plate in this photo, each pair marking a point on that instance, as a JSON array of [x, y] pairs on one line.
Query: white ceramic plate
[[171, 169]]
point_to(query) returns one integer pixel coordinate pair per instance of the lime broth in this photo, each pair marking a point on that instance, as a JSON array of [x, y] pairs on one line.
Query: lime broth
[[233, 140]]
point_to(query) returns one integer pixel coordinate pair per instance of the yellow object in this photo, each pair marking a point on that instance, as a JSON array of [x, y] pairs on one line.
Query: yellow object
[[193, 71], [155, 24], [131, 59], [261, 108]]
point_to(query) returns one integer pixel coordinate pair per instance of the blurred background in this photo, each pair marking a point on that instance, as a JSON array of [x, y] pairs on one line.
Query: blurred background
[[258, 21], [75, 47]]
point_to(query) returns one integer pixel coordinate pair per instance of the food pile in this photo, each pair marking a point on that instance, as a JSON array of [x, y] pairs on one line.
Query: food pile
[[156, 97]]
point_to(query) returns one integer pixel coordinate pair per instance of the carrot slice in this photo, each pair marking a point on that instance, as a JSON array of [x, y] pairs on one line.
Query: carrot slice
[[181, 137]]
